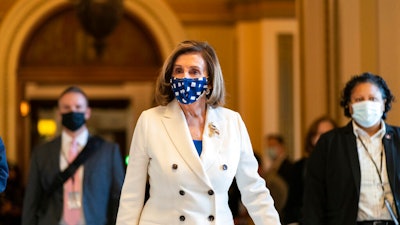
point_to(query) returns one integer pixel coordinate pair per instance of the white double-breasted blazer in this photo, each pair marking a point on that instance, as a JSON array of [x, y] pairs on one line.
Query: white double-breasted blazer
[[186, 188]]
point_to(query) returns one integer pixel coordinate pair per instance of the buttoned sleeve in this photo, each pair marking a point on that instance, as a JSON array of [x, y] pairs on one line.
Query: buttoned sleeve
[[133, 190], [255, 195]]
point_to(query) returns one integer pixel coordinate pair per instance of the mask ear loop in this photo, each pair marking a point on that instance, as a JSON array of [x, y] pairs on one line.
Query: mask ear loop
[[208, 90], [208, 93]]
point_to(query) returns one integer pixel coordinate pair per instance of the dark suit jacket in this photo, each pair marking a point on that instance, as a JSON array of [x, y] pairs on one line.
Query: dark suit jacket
[[292, 212], [102, 183], [333, 177]]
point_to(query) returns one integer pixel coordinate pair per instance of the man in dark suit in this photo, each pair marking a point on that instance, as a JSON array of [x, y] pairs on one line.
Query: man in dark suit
[[90, 195]]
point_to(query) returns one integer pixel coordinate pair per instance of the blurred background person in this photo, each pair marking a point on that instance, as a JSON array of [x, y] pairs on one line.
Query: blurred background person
[[90, 195], [293, 208], [277, 170], [239, 212], [278, 160]]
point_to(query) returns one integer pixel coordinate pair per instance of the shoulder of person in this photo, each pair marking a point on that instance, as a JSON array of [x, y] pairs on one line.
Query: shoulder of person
[[224, 111], [54, 143], [298, 165], [98, 140], [101, 146], [339, 131], [395, 130], [394, 127], [154, 111]]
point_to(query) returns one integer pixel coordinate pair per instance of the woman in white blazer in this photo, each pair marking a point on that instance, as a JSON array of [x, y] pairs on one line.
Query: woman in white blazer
[[189, 149]]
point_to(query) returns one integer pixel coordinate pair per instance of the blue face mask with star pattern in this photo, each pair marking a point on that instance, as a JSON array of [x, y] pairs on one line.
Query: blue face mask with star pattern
[[188, 90]]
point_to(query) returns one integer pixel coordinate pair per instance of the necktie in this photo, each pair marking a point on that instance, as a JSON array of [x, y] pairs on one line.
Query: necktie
[[72, 210]]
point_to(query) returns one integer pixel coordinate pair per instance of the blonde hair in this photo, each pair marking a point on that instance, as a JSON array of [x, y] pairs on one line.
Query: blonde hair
[[215, 97]]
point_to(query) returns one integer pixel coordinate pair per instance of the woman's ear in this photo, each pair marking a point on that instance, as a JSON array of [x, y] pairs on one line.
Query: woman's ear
[[384, 105], [348, 106]]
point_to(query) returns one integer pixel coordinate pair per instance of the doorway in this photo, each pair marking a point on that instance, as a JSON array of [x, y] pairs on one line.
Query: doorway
[[118, 82], [41, 58]]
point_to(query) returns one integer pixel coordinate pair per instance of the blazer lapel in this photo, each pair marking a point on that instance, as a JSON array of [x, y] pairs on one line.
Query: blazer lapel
[[175, 125], [353, 155], [388, 144], [212, 138], [392, 162]]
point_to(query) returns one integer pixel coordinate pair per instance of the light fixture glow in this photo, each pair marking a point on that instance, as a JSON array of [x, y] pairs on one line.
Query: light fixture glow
[[24, 108], [47, 127]]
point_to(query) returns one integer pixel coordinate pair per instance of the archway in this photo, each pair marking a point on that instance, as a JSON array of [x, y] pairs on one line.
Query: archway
[[20, 23]]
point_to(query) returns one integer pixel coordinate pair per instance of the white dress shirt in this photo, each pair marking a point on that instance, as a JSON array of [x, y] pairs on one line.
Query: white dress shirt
[[371, 205], [66, 141]]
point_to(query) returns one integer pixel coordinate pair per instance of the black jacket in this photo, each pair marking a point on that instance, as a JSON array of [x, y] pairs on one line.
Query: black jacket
[[333, 176]]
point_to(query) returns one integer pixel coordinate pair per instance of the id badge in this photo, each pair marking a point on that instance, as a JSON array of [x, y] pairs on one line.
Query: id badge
[[74, 200]]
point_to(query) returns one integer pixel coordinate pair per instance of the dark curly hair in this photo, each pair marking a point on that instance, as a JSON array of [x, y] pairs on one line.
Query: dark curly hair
[[363, 78]]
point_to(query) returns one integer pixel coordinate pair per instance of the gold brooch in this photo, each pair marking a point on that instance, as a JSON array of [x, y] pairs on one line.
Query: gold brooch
[[213, 129]]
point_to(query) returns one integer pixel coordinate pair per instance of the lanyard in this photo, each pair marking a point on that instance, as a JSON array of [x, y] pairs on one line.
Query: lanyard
[[72, 177], [379, 172]]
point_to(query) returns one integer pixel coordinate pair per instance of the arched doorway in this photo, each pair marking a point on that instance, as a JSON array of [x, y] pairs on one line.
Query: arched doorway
[[28, 73]]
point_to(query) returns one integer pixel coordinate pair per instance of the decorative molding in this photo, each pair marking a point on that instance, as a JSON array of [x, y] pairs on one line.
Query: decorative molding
[[230, 11], [87, 74], [257, 9], [18, 24]]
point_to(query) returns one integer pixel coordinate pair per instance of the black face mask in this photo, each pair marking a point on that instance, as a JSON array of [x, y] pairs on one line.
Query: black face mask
[[73, 120]]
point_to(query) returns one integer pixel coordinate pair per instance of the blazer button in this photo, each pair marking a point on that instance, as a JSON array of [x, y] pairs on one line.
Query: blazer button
[[210, 192], [181, 192], [224, 167], [210, 218], [182, 218], [174, 166]]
